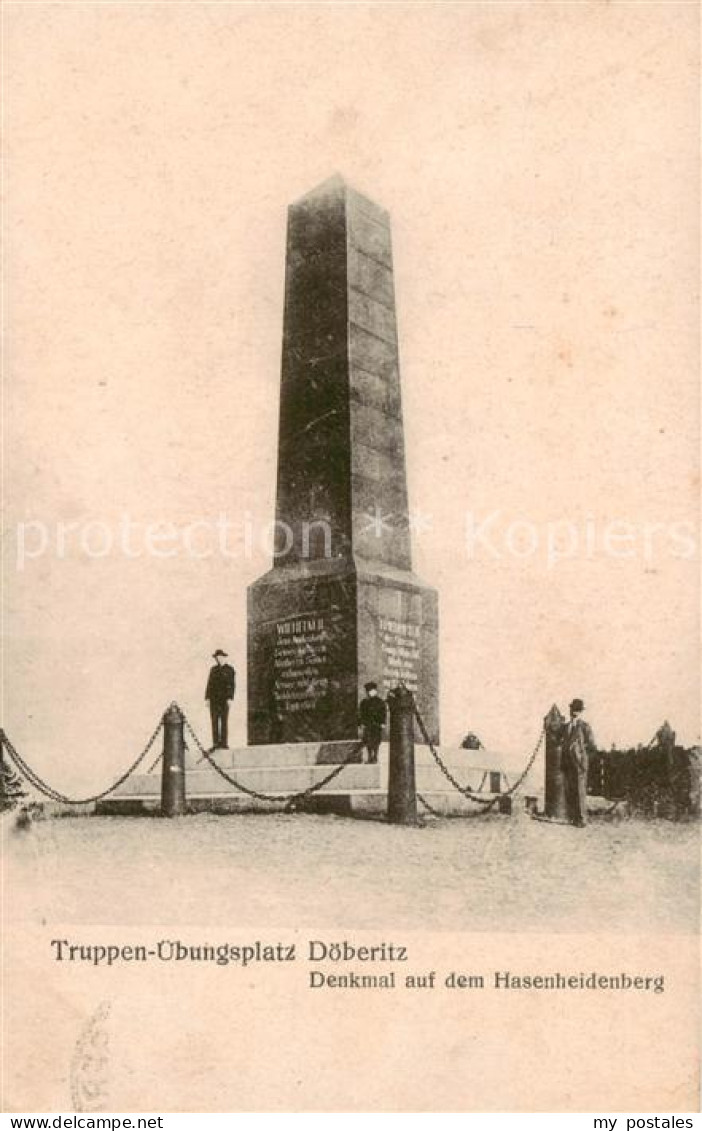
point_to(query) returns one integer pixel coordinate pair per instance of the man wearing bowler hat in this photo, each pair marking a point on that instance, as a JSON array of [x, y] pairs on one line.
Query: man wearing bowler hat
[[371, 716], [221, 684], [577, 743]]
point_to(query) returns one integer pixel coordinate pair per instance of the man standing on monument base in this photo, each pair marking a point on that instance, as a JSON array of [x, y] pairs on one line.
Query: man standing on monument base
[[372, 713], [221, 684]]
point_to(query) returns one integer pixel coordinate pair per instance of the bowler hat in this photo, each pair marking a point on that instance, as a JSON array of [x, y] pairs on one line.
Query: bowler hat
[[577, 705], [371, 686], [219, 652]]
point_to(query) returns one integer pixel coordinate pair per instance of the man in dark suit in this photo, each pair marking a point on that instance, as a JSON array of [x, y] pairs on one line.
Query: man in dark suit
[[577, 743], [221, 685], [371, 715]]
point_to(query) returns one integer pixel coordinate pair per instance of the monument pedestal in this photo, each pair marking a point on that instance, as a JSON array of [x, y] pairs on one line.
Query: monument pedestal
[[317, 635]]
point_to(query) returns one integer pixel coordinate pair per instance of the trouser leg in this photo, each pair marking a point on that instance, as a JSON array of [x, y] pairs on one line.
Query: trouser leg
[[576, 795], [581, 797], [366, 743], [215, 723], [372, 740], [570, 789], [223, 727]]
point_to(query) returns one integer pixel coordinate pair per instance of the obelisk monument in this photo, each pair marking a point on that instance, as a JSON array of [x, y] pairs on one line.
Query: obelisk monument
[[340, 605]]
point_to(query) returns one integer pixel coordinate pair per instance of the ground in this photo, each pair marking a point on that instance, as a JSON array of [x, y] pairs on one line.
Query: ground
[[491, 873]]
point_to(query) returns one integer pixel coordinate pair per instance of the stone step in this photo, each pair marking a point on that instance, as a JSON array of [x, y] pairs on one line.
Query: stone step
[[280, 755], [331, 753], [266, 779]]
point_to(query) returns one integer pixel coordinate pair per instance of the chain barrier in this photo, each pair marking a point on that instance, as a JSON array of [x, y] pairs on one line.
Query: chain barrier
[[451, 816], [466, 791], [458, 816], [429, 808], [487, 806], [53, 794], [284, 800], [513, 788]]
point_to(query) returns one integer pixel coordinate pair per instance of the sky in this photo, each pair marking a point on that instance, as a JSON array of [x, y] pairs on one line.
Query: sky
[[539, 164]]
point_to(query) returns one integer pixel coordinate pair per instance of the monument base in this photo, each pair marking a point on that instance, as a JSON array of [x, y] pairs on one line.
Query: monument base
[[359, 789], [319, 631]]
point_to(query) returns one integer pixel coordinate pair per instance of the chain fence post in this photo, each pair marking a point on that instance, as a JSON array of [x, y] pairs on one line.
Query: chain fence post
[[402, 789], [667, 802], [554, 783], [173, 766]]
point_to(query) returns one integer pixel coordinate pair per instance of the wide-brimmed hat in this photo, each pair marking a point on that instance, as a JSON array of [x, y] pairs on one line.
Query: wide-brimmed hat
[[577, 705], [219, 652], [371, 685]]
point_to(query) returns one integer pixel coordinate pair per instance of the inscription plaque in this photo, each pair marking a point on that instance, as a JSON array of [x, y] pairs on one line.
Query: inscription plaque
[[300, 663]]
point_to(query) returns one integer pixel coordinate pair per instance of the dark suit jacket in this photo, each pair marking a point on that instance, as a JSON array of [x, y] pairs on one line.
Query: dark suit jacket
[[372, 712], [577, 742], [221, 683]]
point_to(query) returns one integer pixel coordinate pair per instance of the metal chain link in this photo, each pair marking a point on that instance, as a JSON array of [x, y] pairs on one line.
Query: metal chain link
[[456, 816], [430, 808], [155, 762], [285, 800], [26, 770], [487, 806], [466, 791], [513, 788], [54, 794], [29, 776]]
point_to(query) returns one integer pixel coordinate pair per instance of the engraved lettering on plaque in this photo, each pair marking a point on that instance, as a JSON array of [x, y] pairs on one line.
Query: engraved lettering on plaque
[[400, 648], [301, 662]]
